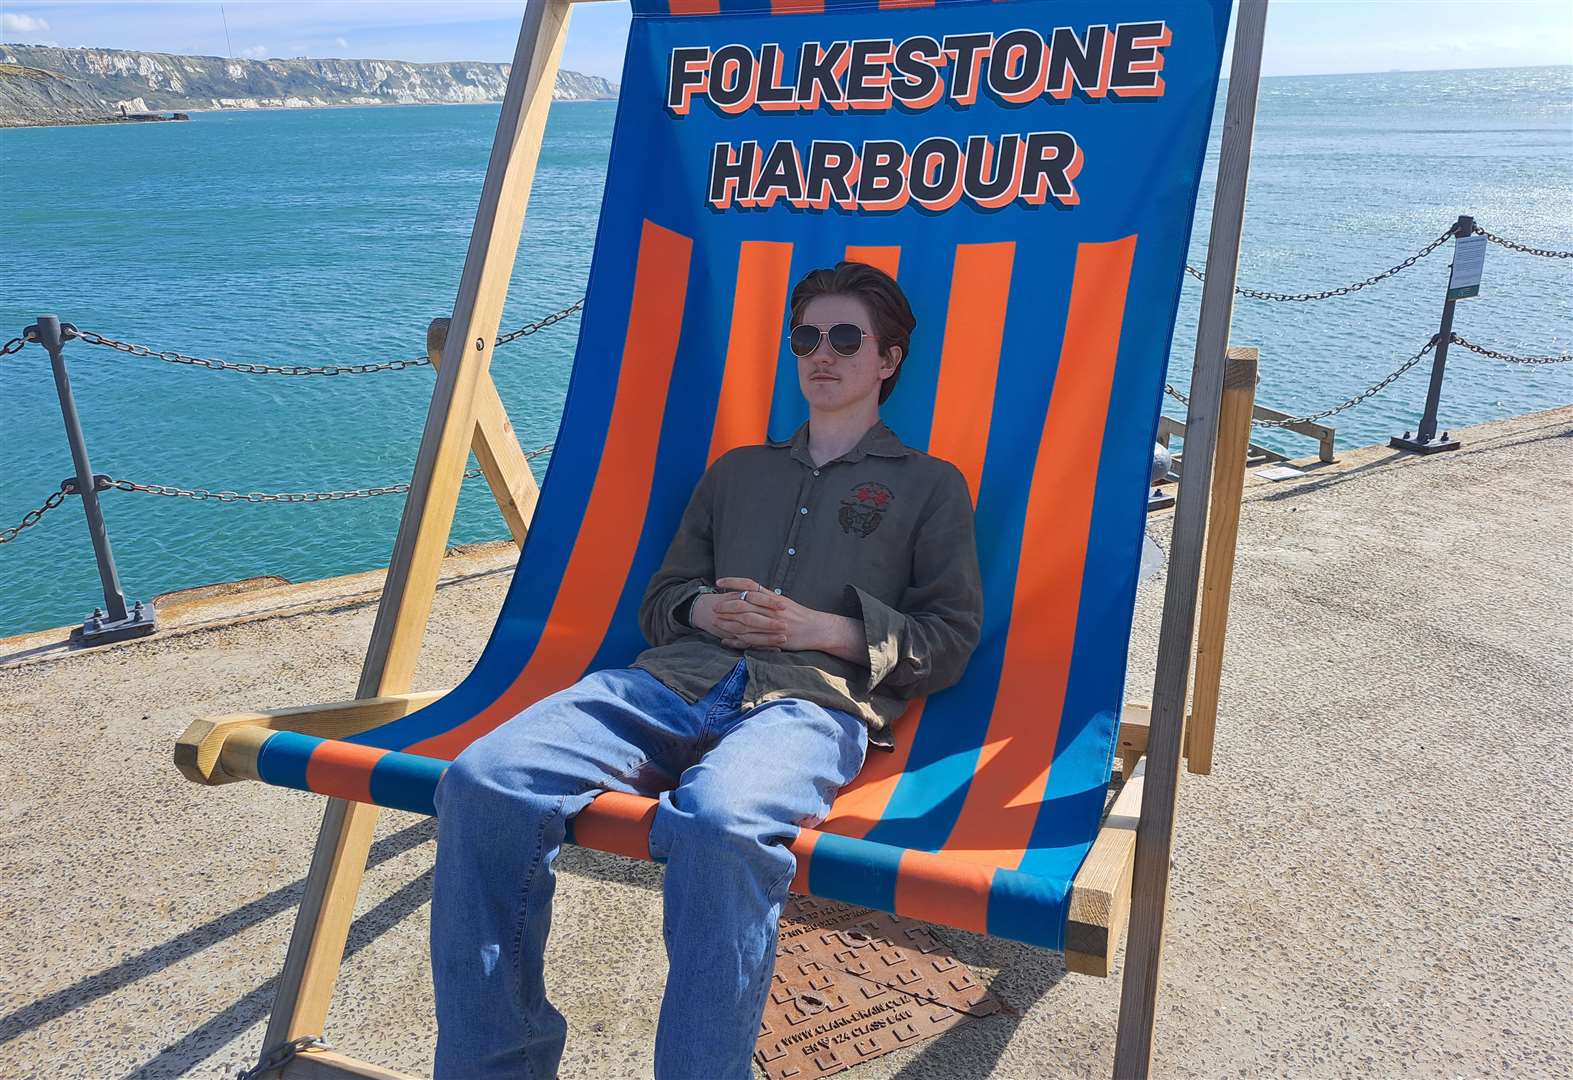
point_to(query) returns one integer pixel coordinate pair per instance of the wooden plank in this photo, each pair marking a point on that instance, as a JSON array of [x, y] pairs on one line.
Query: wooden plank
[[316, 947], [1101, 894], [1155, 834], [496, 446], [1135, 727], [1223, 528], [330, 1065], [197, 751]]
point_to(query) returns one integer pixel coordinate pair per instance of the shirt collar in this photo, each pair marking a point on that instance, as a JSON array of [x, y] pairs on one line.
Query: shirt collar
[[877, 441]]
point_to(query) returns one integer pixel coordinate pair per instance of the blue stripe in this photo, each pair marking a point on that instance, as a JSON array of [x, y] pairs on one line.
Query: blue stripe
[[854, 871], [406, 782], [283, 759]]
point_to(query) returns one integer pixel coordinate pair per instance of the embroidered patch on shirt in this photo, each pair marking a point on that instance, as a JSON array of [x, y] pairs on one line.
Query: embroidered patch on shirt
[[864, 508]]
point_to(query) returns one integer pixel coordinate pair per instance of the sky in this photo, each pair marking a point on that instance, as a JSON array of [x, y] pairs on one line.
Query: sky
[[1304, 37]]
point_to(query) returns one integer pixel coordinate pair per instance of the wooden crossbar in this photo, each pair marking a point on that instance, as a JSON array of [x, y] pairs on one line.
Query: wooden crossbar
[[496, 446]]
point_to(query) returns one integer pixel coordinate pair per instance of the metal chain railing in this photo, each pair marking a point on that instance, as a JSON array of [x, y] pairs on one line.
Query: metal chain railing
[[30, 518], [110, 483], [1544, 253], [173, 357], [1511, 359], [1370, 391], [1342, 290], [14, 345]]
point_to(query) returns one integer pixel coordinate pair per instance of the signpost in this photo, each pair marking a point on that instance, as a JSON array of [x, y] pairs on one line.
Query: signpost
[[1469, 260]]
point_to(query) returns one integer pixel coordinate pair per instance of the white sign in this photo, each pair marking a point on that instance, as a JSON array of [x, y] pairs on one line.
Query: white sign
[[1469, 259]]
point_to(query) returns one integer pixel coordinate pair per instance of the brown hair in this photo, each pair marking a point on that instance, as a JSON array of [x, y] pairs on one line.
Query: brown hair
[[887, 307]]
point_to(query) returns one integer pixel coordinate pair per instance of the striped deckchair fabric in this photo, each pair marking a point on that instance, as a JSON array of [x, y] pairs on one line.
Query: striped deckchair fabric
[[1028, 171]]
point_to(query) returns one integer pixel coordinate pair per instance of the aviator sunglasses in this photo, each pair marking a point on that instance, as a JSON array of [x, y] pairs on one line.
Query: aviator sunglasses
[[846, 338]]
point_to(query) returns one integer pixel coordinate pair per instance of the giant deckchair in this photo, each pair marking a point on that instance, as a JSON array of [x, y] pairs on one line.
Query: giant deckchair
[[1032, 189]]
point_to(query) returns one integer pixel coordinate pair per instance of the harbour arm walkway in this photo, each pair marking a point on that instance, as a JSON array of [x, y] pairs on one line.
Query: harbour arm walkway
[[1373, 882]]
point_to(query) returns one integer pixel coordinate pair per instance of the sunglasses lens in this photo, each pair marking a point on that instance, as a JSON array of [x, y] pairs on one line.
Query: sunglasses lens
[[805, 339], [846, 338]]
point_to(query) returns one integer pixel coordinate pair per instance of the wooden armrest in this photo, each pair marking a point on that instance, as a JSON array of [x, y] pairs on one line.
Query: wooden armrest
[[1100, 897], [197, 750]]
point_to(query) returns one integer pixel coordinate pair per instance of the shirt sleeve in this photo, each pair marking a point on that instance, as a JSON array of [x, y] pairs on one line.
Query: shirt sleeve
[[921, 644], [688, 569]]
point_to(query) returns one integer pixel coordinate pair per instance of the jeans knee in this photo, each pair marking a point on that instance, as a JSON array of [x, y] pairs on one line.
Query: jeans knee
[[487, 785]]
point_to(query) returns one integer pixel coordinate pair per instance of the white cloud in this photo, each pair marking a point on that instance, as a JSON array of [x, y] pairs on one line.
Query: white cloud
[[341, 43], [256, 52], [11, 22]]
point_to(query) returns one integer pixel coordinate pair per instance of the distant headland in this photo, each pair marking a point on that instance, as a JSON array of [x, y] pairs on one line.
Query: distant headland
[[41, 85]]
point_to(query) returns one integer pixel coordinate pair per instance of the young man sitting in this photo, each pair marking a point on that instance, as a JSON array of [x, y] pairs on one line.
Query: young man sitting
[[813, 588]]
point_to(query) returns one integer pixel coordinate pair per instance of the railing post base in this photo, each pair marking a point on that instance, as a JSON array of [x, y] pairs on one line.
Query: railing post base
[[99, 629], [1434, 445]]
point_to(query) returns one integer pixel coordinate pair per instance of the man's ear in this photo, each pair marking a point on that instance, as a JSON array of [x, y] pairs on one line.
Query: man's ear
[[894, 358]]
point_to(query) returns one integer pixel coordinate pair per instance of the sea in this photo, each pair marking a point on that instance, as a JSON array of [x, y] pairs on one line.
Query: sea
[[333, 236]]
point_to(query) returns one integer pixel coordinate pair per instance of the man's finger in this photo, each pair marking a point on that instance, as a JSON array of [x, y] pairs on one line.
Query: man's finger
[[739, 583]]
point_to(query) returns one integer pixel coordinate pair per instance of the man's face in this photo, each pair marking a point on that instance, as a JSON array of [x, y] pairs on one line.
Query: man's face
[[831, 382]]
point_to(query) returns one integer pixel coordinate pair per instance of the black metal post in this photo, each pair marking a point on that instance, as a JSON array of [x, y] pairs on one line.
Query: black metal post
[[120, 621], [1425, 440]]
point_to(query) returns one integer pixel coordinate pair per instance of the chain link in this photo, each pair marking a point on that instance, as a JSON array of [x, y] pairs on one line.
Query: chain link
[[31, 517], [110, 483], [1544, 253], [1343, 290], [281, 1056], [14, 345], [173, 357], [542, 323], [1493, 354], [1370, 391]]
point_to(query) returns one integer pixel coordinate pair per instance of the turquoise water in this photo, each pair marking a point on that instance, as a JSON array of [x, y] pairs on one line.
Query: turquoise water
[[334, 236]]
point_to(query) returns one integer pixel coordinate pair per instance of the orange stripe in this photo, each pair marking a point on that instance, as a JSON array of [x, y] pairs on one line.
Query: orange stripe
[[862, 803], [887, 259], [609, 533], [617, 822], [1002, 802], [969, 360], [695, 7], [796, 7], [944, 889], [754, 347], [887, 4], [342, 770]]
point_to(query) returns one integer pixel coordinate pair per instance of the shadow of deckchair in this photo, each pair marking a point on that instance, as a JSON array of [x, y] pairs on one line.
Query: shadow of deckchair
[[151, 961], [201, 1043]]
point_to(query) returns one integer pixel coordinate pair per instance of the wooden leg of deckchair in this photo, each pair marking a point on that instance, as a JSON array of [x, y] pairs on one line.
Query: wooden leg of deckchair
[[1133, 1040], [496, 446], [1223, 526], [317, 945], [322, 926]]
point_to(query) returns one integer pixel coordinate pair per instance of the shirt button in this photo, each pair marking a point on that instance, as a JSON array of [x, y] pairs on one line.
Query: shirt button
[[778, 592], [802, 509], [816, 472], [791, 551]]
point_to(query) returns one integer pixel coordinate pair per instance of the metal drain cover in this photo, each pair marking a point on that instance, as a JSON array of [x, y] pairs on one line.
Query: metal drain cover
[[851, 984]]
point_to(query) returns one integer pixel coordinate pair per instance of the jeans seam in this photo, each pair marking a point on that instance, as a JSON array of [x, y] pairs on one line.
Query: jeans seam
[[524, 921]]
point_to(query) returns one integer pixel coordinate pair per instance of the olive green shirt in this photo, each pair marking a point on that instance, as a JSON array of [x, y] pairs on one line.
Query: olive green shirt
[[883, 534]]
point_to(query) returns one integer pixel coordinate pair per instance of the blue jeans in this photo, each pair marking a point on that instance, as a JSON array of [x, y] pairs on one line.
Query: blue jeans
[[734, 786]]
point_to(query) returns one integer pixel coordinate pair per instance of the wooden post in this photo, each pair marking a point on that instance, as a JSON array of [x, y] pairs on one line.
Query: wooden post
[[317, 946], [1223, 527], [1155, 834], [496, 447]]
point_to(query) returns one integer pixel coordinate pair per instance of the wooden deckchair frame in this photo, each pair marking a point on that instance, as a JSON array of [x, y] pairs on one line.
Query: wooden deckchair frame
[[466, 412]]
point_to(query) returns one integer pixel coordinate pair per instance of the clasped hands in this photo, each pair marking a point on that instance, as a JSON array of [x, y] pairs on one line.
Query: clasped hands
[[750, 616]]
